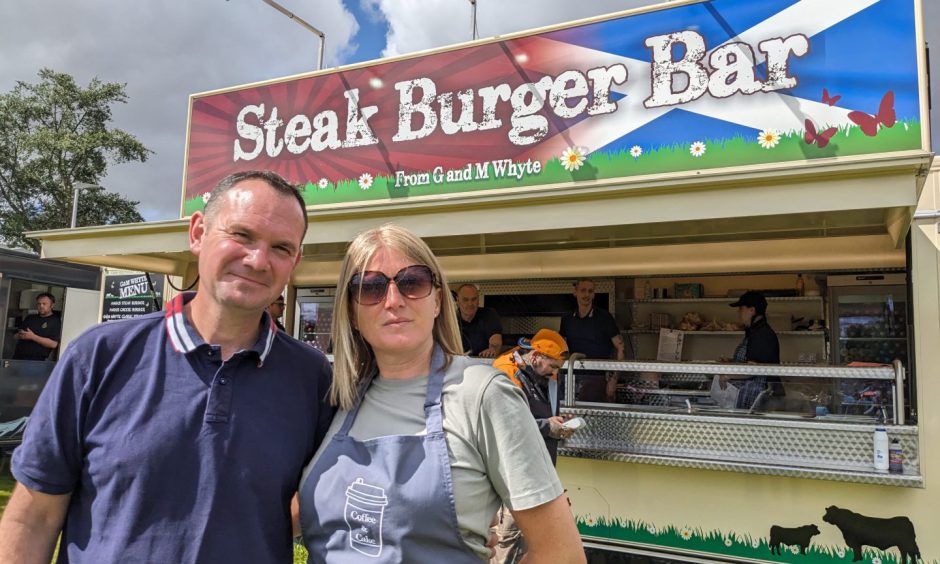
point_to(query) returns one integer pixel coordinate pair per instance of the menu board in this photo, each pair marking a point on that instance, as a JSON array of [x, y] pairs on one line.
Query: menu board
[[670, 345], [131, 295]]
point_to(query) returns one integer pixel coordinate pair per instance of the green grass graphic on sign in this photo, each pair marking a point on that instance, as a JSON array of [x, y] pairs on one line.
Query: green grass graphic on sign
[[602, 165]]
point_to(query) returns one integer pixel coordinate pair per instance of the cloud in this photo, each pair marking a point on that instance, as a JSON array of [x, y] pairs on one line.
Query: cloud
[[445, 22], [164, 51]]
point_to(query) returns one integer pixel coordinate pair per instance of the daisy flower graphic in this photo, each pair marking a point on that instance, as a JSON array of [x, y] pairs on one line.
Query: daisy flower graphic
[[728, 541], [365, 181], [697, 149], [572, 158], [685, 533], [651, 529], [755, 543], [205, 197], [636, 151], [590, 521], [876, 560], [796, 550], [323, 183], [840, 552], [768, 138]]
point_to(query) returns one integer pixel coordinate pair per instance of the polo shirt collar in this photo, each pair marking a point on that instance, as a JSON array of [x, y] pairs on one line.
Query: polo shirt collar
[[185, 339], [577, 313]]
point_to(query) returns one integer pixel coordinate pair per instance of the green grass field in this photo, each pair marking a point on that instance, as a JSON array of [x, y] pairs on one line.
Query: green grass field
[[602, 165]]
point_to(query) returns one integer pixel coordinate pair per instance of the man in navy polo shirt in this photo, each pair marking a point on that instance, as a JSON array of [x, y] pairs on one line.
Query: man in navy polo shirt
[[181, 436], [592, 332]]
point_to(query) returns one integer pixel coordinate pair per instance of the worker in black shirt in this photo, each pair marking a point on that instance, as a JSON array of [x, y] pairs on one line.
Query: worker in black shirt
[[39, 333], [759, 346], [480, 327], [592, 332]]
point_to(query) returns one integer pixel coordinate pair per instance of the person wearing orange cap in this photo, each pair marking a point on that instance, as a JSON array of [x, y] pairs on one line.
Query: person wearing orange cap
[[533, 366]]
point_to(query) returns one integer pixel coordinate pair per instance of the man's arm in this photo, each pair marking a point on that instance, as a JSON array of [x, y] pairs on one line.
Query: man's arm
[[550, 533], [554, 427], [617, 341], [495, 341], [28, 335], [30, 526]]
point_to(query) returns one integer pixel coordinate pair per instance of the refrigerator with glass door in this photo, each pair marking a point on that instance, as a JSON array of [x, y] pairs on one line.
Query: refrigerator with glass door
[[313, 317]]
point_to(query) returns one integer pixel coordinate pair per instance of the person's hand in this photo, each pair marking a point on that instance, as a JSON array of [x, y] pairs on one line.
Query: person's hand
[[556, 428], [493, 539], [611, 389], [26, 334], [488, 353]]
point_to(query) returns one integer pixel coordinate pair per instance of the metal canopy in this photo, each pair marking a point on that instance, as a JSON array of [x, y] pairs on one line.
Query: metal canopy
[[874, 197]]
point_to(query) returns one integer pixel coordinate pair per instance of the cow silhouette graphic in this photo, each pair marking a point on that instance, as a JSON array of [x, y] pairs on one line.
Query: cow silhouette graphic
[[859, 530], [800, 536]]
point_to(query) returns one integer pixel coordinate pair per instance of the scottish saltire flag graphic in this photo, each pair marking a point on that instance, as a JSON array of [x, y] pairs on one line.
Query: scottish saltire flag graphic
[[709, 85]]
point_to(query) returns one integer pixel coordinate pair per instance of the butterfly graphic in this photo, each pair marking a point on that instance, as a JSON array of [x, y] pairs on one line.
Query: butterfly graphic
[[821, 139], [831, 100], [885, 116]]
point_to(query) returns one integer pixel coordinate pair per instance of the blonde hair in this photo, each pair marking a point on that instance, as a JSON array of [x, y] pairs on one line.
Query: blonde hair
[[353, 357]]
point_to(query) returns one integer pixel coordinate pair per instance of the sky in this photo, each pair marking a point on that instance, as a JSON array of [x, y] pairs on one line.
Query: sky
[[165, 50]]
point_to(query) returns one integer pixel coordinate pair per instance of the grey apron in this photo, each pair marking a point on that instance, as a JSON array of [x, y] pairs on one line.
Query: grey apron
[[387, 499]]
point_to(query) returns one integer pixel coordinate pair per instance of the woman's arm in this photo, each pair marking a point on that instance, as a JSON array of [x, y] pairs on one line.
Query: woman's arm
[[520, 470], [550, 533]]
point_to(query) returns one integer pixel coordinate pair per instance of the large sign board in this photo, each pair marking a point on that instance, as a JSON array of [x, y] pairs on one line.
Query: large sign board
[[693, 86], [131, 295]]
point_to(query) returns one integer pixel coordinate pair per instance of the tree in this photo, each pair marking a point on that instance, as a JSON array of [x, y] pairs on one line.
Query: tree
[[53, 134]]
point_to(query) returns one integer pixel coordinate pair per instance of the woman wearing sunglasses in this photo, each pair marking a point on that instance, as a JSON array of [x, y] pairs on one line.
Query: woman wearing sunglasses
[[425, 446]]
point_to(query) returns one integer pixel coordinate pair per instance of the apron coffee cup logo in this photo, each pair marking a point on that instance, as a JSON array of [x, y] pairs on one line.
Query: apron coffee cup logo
[[365, 505]]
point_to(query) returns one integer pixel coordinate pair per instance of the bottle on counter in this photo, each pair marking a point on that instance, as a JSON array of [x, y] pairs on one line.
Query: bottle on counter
[[895, 457], [800, 285], [881, 449]]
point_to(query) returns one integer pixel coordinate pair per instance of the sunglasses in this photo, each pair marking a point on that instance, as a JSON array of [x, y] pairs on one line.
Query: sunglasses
[[413, 282]]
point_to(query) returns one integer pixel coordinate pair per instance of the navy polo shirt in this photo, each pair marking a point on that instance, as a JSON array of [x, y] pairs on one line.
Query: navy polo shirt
[[170, 454], [590, 335]]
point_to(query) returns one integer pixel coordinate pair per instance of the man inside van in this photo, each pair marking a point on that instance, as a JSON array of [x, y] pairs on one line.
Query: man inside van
[[39, 333], [480, 327], [759, 346], [594, 333]]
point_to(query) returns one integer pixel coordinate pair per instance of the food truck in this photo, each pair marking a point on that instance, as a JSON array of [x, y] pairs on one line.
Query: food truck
[[677, 155], [23, 277]]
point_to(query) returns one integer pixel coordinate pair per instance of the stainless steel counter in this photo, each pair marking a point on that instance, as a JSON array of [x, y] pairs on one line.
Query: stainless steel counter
[[833, 447], [779, 447]]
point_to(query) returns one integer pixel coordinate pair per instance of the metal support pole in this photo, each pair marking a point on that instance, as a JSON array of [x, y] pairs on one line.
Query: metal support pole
[[75, 206], [77, 187], [300, 21], [473, 19]]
